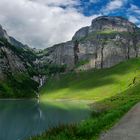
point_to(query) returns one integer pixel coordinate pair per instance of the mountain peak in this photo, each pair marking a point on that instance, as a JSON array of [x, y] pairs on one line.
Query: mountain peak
[[109, 18], [112, 23], [3, 33], [102, 23]]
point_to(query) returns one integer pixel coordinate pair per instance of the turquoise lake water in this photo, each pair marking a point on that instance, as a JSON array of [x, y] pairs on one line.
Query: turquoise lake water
[[20, 119]]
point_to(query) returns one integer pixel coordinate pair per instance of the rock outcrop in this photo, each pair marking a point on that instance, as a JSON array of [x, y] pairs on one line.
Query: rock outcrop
[[60, 54], [14, 57], [108, 41]]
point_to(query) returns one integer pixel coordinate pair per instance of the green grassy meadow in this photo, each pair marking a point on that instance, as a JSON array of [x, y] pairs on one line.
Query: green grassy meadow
[[92, 85], [113, 92]]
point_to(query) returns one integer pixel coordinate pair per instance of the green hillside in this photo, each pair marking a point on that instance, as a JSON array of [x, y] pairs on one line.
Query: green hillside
[[94, 84], [115, 90]]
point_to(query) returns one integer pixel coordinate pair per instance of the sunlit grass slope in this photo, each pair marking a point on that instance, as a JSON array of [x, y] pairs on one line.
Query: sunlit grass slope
[[117, 89], [105, 114], [94, 84]]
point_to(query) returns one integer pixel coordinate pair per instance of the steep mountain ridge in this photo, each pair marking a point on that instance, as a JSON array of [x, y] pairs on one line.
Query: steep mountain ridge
[[16, 63], [106, 42], [102, 23]]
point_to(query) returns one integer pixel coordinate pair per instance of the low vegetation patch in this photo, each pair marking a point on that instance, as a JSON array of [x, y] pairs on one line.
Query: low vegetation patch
[[81, 63], [14, 87]]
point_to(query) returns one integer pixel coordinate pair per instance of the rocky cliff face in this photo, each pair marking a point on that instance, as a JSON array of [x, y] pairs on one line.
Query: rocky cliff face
[[16, 63], [14, 59], [108, 41], [9, 61], [60, 54]]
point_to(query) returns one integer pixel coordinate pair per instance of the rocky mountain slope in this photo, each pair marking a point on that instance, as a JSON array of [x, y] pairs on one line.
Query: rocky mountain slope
[[22, 71], [108, 41], [16, 66]]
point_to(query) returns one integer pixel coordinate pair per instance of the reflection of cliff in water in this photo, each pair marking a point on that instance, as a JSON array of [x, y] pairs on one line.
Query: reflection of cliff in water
[[21, 119]]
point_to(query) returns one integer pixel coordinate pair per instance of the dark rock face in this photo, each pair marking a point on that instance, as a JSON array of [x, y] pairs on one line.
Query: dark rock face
[[81, 33], [13, 54], [3, 34], [16, 63], [60, 54], [114, 23], [10, 62], [108, 41], [16, 43]]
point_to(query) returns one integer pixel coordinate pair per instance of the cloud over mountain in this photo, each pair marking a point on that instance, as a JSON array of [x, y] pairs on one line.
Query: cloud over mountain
[[42, 23]]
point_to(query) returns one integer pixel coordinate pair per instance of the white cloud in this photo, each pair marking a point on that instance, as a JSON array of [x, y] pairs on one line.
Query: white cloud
[[41, 23], [133, 14], [134, 9], [113, 5], [58, 2], [94, 1], [133, 19]]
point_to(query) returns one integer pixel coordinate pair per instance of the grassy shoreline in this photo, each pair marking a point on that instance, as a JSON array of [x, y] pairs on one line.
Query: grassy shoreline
[[119, 93], [105, 114]]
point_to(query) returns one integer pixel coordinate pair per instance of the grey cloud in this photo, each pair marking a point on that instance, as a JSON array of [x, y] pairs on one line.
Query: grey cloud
[[41, 25]]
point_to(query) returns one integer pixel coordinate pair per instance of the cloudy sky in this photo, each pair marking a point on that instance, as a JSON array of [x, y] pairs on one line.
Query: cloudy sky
[[43, 23]]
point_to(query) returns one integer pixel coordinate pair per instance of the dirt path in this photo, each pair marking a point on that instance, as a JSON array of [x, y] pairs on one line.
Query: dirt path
[[128, 127]]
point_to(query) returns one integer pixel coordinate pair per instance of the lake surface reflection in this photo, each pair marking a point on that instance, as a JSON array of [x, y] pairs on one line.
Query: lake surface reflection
[[20, 119]]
